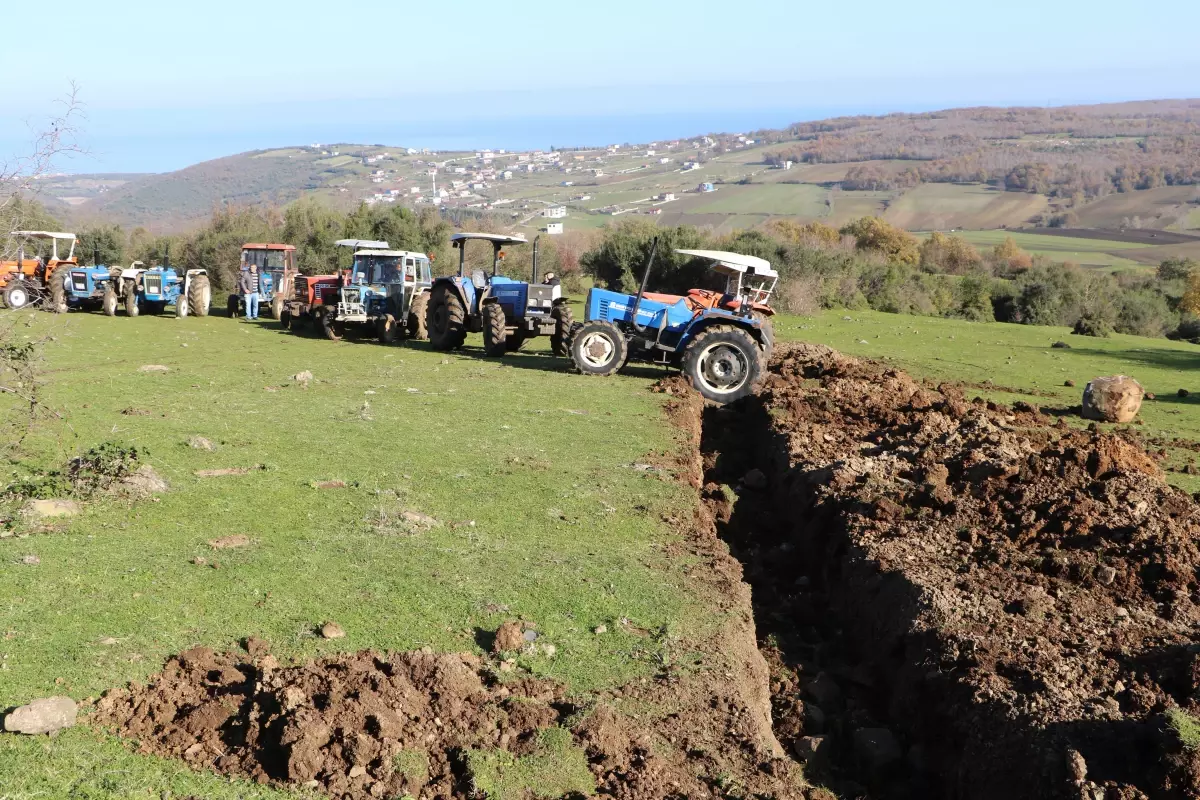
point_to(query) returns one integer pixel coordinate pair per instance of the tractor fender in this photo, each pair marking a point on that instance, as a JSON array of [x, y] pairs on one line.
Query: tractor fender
[[720, 317], [191, 273], [132, 274], [463, 288]]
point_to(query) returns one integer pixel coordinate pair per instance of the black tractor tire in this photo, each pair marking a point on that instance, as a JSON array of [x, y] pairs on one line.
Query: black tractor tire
[[18, 294], [276, 306], [417, 329], [55, 282], [515, 341], [598, 348], [768, 338], [231, 306], [495, 333], [111, 301], [446, 320], [388, 329], [334, 331], [723, 363], [131, 303], [564, 320], [285, 319], [199, 296]]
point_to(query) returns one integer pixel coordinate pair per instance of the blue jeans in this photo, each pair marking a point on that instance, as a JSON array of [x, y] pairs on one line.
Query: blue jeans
[[251, 305]]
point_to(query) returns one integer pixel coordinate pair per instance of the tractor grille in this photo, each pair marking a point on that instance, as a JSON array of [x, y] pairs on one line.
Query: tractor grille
[[152, 284], [541, 296], [301, 293], [79, 281]]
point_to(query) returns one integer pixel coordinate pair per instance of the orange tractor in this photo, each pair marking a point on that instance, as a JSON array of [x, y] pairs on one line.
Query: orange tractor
[[40, 278], [277, 272]]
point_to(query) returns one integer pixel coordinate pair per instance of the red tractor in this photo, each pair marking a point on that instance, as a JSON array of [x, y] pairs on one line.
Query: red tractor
[[311, 293], [276, 271]]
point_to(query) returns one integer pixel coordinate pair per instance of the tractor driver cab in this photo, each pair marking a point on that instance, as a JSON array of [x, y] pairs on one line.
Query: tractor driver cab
[[749, 282]]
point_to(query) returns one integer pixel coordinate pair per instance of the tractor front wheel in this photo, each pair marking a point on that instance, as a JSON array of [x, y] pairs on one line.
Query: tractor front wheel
[[446, 319], [285, 319], [334, 331], [564, 320], [494, 331], [109, 304], [417, 329], [388, 329], [231, 306], [277, 306], [598, 348], [723, 363], [131, 299], [199, 296]]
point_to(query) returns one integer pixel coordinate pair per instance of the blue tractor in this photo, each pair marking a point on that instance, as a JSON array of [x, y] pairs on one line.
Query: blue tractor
[[506, 311], [720, 340], [152, 289], [85, 286]]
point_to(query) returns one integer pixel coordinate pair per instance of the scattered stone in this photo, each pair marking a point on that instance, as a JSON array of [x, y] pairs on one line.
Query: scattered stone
[[217, 473], [144, 481], [47, 509], [824, 691], [304, 377], [599, 629], [200, 443], [47, 715], [863, 341], [1117, 398], [1183, 393], [755, 479], [530, 635], [549, 650], [1151, 396], [256, 647], [134, 412], [107, 641], [1076, 766], [333, 484], [200, 561], [812, 751], [227, 542], [331, 630], [509, 637], [876, 749], [1061, 346], [1068, 382], [416, 518], [153, 368], [357, 771], [30, 560], [1106, 575]]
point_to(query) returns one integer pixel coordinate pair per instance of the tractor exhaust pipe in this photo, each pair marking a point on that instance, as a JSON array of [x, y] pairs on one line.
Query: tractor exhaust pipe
[[95, 256], [642, 289], [536, 239]]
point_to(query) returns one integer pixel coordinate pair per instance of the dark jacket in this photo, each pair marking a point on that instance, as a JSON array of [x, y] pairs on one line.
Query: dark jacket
[[248, 283]]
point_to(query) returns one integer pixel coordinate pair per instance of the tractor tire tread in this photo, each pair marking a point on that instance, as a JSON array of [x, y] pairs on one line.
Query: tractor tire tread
[[495, 333], [691, 356]]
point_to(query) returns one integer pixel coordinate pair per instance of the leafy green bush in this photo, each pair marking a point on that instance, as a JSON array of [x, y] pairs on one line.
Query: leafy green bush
[[1092, 325]]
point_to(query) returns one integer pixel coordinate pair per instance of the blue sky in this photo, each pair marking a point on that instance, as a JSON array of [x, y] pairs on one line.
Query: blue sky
[[169, 84]]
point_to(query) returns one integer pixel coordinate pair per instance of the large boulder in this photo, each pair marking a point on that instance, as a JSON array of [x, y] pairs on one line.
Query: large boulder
[[1117, 398], [47, 715]]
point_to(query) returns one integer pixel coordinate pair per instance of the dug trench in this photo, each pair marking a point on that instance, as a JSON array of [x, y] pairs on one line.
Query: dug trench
[[959, 599]]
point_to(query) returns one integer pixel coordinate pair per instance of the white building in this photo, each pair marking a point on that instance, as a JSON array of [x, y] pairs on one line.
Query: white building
[[555, 212], [554, 228]]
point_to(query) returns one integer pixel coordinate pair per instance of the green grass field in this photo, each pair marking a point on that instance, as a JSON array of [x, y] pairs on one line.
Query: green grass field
[[526, 467], [794, 199]]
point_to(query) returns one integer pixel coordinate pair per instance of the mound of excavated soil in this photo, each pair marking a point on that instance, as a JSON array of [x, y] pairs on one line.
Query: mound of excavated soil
[[1011, 601]]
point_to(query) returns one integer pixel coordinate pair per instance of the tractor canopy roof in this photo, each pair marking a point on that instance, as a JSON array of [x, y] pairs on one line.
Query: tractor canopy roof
[[42, 235], [732, 263], [391, 254], [362, 243], [264, 246], [491, 237]]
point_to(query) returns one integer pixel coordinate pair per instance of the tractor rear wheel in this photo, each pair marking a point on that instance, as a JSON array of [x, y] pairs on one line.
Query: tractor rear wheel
[[388, 329], [109, 303], [334, 331], [199, 296], [564, 320], [56, 281], [446, 319], [231, 306], [723, 363], [417, 329], [598, 348], [17, 294], [276, 306], [494, 331], [131, 299]]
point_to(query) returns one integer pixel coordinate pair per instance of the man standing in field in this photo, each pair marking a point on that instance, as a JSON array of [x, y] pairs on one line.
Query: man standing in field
[[248, 285]]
